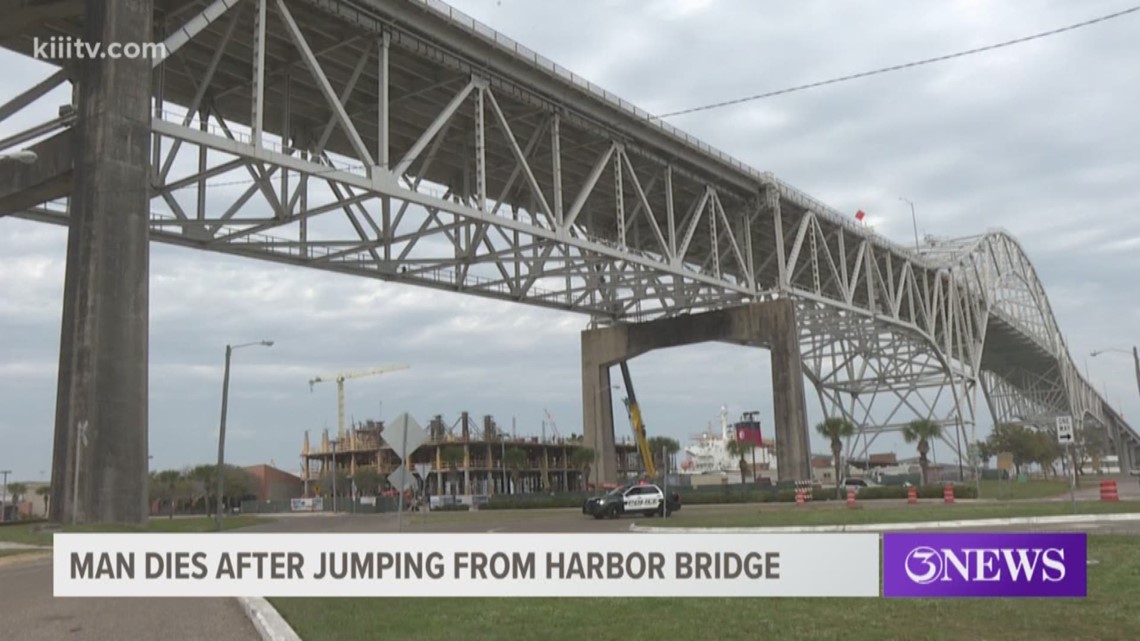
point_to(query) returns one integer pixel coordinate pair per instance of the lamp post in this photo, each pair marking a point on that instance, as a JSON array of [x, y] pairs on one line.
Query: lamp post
[[1126, 455], [913, 219], [4, 495], [332, 444], [222, 429]]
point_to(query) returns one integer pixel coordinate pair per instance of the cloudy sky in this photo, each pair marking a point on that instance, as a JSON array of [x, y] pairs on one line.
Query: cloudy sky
[[1039, 139]]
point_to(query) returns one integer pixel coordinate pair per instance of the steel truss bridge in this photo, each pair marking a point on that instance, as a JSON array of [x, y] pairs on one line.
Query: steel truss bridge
[[403, 141]]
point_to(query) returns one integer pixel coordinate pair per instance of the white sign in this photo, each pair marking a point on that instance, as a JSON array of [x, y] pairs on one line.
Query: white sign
[[394, 435], [436, 564], [401, 479], [307, 505], [1064, 429], [422, 470]]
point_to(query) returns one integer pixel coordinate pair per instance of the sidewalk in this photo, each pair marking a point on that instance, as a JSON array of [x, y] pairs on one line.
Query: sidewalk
[[31, 613]]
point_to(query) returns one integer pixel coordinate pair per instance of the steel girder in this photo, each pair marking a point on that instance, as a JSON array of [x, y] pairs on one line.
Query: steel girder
[[405, 142]]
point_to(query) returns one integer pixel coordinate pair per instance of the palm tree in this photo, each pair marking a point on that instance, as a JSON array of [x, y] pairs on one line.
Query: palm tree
[[659, 443], [835, 429], [45, 492], [165, 482], [452, 457], [17, 490], [515, 460], [582, 459], [740, 448], [923, 431]]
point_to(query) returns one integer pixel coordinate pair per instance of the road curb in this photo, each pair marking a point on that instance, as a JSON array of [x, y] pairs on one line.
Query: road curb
[[885, 527], [268, 621]]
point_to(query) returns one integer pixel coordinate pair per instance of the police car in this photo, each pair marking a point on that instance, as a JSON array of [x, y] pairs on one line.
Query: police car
[[637, 498]]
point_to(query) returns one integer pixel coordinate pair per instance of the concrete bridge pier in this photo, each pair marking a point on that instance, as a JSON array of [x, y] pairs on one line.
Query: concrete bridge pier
[[104, 332], [770, 324]]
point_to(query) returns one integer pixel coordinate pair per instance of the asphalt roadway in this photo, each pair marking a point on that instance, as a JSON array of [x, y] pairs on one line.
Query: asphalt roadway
[[29, 612]]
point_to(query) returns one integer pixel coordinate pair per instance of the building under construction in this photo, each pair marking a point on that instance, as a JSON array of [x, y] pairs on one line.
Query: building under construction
[[465, 459]]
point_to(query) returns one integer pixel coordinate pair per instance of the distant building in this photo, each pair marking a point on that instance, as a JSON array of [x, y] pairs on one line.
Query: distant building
[[463, 459], [823, 469], [30, 506], [272, 484]]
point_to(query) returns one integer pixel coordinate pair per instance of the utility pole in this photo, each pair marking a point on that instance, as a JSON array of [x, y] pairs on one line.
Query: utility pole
[[4, 495], [222, 427], [1124, 454], [334, 473]]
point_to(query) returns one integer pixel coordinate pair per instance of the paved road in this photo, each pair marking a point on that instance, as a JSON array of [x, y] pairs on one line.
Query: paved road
[[29, 612], [570, 520]]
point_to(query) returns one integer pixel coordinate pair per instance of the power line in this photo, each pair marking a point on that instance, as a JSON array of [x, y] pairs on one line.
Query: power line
[[902, 66]]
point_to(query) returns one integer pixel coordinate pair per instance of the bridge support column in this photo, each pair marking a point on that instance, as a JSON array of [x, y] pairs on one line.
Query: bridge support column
[[104, 333], [767, 324]]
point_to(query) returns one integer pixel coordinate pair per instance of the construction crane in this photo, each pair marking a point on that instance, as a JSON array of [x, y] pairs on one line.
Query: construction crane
[[344, 376], [553, 426], [635, 421]]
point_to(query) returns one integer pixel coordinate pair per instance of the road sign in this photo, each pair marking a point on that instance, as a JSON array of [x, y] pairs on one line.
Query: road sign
[[404, 435], [401, 479], [1005, 461], [1064, 430], [422, 470]]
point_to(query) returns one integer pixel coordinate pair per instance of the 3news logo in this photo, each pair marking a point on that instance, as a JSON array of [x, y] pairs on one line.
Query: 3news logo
[[985, 565]]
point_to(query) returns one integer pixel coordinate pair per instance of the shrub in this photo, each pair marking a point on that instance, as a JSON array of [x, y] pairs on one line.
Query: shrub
[[454, 507]]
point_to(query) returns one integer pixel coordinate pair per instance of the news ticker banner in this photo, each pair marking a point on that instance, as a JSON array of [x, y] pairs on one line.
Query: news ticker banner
[[465, 565], [912, 565]]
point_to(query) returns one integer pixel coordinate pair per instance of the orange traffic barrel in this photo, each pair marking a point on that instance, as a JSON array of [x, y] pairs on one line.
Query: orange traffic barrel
[[1108, 491]]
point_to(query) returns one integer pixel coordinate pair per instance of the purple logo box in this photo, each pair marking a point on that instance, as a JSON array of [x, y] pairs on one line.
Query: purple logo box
[[985, 565]]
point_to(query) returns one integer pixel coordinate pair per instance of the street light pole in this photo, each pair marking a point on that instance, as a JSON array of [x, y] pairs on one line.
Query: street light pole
[[4, 495], [914, 220], [1125, 455], [222, 428]]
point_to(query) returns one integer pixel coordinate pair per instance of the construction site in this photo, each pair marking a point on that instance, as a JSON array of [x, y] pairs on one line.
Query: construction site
[[464, 458]]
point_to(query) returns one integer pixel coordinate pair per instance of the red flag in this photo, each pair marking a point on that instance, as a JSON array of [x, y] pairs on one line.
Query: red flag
[[859, 215]]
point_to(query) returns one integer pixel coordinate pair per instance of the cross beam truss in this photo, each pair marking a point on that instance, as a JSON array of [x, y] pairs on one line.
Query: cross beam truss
[[346, 136]]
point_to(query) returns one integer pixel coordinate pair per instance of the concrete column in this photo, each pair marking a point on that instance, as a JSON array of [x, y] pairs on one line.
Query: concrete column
[[597, 413], [793, 460], [769, 324], [104, 333]]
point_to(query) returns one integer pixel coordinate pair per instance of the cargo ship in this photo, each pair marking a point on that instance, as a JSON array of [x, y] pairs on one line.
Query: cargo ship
[[709, 453]]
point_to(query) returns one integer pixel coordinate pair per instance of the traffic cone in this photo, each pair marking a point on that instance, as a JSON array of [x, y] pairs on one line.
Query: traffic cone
[[948, 494], [912, 495], [1108, 491]]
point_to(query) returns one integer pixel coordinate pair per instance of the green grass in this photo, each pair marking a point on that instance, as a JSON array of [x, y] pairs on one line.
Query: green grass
[[840, 514], [1012, 490], [1108, 614], [36, 534]]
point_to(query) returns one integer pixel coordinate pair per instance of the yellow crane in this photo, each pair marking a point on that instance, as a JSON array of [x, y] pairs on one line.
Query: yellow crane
[[638, 425], [344, 376]]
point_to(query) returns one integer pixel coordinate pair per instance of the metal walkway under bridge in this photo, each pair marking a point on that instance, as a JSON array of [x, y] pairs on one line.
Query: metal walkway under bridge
[[403, 141]]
